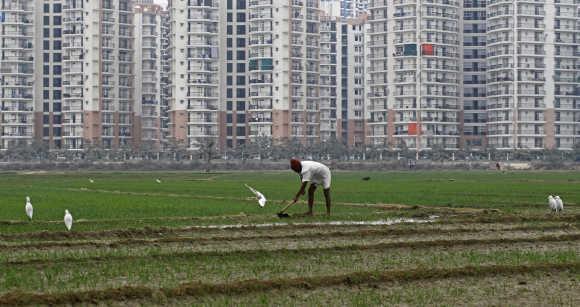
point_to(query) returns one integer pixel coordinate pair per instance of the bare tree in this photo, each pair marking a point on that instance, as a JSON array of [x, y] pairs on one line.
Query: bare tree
[[208, 151]]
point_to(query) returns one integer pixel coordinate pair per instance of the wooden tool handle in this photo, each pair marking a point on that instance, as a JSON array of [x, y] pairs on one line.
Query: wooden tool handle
[[288, 206]]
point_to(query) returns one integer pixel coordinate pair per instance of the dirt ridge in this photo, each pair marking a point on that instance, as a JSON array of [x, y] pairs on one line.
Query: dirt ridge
[[351, 247], [193, 289]]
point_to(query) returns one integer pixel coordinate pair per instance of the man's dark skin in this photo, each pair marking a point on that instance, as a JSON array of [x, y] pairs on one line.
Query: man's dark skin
[[311, 191]]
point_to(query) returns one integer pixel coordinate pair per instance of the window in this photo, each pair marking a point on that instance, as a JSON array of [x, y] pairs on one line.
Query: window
[[241, 17], [46, 32], [57, 45], [241, 67], [241, 42], [46, 45], [57, 70], [241, 80], [57, 8], [47, 8], [46, 70], [241, 118], [241, 4], [241, 93], [57, 32], [46, 20], [57, 57], [240, 106], [56, 20], [241, 131], [241, 30], [241, 55]]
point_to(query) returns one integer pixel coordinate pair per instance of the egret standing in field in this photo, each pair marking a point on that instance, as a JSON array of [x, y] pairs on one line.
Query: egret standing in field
[[559, 204], [29, 209], [91, 180], [261, 198], [158, 180], [552, 203], [68, 220]]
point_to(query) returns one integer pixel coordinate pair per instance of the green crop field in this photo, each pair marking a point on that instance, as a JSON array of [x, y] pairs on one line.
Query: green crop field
[[410, 238]]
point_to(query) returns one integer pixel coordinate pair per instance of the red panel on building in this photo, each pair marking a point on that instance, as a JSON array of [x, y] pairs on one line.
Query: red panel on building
[[412, 128], [428, 49]]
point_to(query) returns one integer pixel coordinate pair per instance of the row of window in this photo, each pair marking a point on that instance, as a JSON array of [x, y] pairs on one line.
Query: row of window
[[56, 32], [56, 8], [56, 20]]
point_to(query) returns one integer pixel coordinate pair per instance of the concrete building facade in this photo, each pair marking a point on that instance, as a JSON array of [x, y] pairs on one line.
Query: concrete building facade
[[474, 117], [149, 85], [415, 74], [533, 81], [17, 33], [195, 64]]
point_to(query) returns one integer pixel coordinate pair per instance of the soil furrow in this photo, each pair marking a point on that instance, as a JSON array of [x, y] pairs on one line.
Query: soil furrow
[[335, 234], [196, 289], [158, 235], [351, 247]]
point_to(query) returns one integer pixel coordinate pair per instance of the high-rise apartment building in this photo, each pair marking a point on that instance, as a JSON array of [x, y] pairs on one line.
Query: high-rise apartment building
[[195, 64], [17, 77], [415, 74], [330, 77], [235, 77], [48, 69], [149, 84], [353, 80], [533, 79], [474, 76], [98, 83], [284, 63], [165, 74]]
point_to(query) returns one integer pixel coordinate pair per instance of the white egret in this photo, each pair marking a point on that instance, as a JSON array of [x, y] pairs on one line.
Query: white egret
[[29, 209], [559, 204], [91, 180], [68, 220], [261, 198], [158, 180], [552, 203]]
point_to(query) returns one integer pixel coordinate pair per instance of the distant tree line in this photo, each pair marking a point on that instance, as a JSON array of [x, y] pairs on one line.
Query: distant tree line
[[265, 149]]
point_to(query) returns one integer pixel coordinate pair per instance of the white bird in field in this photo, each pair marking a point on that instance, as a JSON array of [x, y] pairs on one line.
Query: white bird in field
[[559, 204], [68, 220], [552, 203], [261, 198], [91, 180], [158, 180], [29, 209]]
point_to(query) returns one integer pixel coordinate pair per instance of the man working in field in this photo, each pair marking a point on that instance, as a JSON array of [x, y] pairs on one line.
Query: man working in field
[[315, 173]]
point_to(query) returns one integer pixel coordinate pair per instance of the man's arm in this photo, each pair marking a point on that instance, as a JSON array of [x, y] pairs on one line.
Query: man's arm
[[301, 191]]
